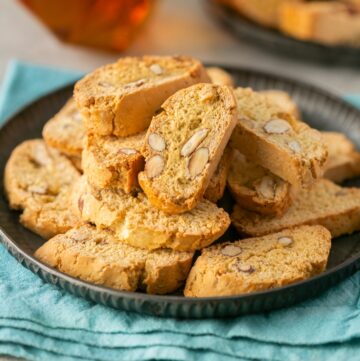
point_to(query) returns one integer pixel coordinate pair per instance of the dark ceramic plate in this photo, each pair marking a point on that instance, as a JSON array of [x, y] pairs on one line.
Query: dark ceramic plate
[[319, 108], [277, 42]]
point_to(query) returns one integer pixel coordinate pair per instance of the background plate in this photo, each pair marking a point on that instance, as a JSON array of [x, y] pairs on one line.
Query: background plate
[[319, 108], [275, 41]]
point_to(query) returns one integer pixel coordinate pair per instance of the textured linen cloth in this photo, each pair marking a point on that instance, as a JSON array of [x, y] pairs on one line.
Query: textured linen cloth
[[38, 321]]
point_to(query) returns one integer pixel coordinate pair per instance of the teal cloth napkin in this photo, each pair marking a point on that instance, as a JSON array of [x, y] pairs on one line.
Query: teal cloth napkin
[[38, 321]]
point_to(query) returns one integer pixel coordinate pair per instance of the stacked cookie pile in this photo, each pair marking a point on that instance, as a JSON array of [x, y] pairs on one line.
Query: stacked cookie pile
[[126, 183]]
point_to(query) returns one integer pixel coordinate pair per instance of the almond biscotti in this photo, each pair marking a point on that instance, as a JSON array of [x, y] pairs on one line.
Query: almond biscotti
[[95, 256], [38, 180], [121, 98], [66, 131], [257, 189], [275, 140], [217, 184], [113, 162], [325, 203], [184, 144], [344, 160], [136, 222], [220, 76], [257, 264]]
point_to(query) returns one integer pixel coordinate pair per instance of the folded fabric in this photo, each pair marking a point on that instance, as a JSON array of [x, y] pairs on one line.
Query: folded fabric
[[39, 321]]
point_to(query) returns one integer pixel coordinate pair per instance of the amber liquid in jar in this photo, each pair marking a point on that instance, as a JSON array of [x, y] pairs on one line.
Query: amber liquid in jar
[[109, 24]]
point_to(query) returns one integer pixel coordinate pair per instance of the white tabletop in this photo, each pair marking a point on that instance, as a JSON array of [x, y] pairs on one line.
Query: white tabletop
[[176, 27]]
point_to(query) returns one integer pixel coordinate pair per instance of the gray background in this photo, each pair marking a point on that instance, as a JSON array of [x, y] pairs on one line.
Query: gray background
[[176, 27]]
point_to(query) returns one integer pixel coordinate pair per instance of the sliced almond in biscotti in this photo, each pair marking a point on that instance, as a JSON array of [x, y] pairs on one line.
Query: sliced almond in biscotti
[[217, 184], [283, 101], [97, 257], [325, 203], [220, 76], [275, 140], [257, 264], [66, 131], [113, 162], [344, 160], [136, 222], [121, 98], [257, 189], [194, 126]]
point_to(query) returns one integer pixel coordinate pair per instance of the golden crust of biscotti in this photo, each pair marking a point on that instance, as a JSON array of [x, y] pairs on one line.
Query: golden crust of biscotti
[[136, 222], [121, 98], [275, 140], [113, 162], [325, 203], [38, 180], [257, 264], [343, 161], [257, 189], [65, 131], [220, 76], [217, 184], [283, 100], [184, 144], [95, 256]]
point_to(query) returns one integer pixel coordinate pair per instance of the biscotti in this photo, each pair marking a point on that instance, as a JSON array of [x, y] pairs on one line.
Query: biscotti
[[275, 140], [325, 203], [136, 222], [121, 98], [343, 161], [257, 264], [95, 256], [283, 101], [216, 187], [113, 162], [220, 76], [257, 189], [66, 131], [184, 144], [327, 22], [38, 180]]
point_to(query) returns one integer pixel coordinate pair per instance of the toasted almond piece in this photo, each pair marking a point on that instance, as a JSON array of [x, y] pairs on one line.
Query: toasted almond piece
[[285, 241], [266, 187], [277, 126], [128, 151], [154, 166], [230, 250], [194, 142], [156, 69], [156, 142], [295, 146], [198, 161]]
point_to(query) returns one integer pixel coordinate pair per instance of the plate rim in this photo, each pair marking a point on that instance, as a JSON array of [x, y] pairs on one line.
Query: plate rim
[[17, 252]]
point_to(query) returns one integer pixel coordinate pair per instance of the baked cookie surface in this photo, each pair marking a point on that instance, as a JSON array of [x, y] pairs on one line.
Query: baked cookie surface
[[95, 256], [38, 180]]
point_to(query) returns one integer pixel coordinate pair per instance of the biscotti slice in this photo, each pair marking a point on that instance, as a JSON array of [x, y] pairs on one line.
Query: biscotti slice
[[121, 98], [257, 189], [258, 264], [275, 140], [38, 180], [220, 76], [95, 256], [66, 131], [325, 203], [136, 222], [216, 187], [184, 144], [283, 101], [327, 22], [343, 161], [113, 162]]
